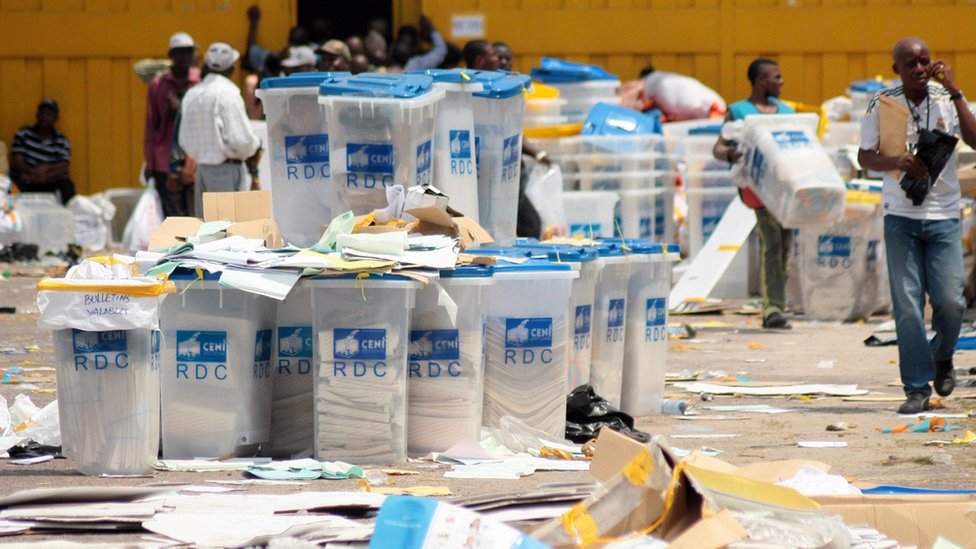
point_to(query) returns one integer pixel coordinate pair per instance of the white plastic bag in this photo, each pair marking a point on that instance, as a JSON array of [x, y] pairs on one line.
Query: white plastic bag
[[93, 220], [145, 219], [9, 220], [101, 294], [545, 191], [24, 421]]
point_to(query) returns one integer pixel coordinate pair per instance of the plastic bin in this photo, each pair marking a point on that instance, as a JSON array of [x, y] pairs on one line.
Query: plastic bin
[[293, 360], [577, 109], [108, 399], [584, 260], [454, 151], [861, 93], [216, 370], [645, 359], [46, 223], [539, 106], [446, 366], [381, 130], [785, 165], [543, 121], [838, 264], [361, 378], [498, 112], [609, 328], [527, 345], [303, 197], [590, 213]]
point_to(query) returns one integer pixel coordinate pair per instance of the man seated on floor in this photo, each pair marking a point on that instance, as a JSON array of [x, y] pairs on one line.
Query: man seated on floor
[[40, 156]]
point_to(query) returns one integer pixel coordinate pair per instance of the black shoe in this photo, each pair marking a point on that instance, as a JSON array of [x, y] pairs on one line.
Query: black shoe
[[945, 377], [916, 403], [776, 321]]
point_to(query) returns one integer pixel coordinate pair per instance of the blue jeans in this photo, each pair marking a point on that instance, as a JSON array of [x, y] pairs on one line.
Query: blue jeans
[[924, 257]]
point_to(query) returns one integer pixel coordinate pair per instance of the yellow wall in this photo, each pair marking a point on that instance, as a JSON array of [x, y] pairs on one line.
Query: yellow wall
[[81, 53], [821, 45]]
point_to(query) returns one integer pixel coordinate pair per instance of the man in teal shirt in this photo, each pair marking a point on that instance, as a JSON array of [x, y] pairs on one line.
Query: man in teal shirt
[[774, 240]]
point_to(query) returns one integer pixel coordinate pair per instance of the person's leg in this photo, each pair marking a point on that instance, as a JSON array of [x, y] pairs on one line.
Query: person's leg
[[787, 250], [199, 187], [773, 254], [945, 279], [905, 252], [170, 200], [67, 189]]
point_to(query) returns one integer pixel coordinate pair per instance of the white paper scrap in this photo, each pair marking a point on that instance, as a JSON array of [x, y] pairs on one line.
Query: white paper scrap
[[821, 444], [233, 530], [805, 389]]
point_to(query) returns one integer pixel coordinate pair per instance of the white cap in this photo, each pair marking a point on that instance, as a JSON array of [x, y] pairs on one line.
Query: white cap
[[221, 56], [299, 56], [181, 40]]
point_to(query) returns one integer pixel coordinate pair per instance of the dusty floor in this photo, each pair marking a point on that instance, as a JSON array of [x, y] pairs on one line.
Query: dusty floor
[[813, 352]]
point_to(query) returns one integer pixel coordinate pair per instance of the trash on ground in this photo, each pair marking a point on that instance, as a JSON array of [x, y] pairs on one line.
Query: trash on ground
[[750, 408], [809, 389], [839, 426], [821, 444]]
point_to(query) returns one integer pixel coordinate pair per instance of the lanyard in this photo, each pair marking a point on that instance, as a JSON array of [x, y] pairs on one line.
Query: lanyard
[[916, 116]]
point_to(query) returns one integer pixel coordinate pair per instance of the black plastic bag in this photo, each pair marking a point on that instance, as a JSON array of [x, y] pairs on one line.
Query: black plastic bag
[[587, 413]]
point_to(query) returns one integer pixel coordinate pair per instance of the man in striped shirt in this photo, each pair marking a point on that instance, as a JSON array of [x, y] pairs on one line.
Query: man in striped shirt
[[41, 154]]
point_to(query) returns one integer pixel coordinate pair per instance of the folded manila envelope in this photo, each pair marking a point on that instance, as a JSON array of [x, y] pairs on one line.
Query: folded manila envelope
[[893, 128]]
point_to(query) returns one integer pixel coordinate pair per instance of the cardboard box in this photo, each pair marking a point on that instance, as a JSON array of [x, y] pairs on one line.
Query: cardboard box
[[250, 211], [237, 207], [444, 220], [911, 520]]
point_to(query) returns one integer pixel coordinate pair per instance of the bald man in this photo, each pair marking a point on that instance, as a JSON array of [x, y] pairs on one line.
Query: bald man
[[922, 239]]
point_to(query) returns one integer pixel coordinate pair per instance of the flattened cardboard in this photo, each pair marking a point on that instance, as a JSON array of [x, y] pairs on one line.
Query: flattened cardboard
[[893, 128], [173, 230], [237, 207], [911, 520]]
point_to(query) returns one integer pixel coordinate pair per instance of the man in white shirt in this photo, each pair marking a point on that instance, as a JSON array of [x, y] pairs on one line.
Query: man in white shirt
[[922, 241], [215, 130]]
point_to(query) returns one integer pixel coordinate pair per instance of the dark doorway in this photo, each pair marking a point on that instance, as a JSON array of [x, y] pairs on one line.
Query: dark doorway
[[345, 17]]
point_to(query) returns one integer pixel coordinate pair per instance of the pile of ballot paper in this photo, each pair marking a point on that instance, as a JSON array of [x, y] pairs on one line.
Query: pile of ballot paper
[[248, 255]]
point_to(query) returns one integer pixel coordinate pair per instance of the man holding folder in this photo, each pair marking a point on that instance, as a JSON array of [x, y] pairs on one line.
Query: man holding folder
[[921, 212]]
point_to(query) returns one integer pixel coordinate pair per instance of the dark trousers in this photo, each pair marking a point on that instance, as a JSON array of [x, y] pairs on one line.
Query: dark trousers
[[174, 203], [65, 188]]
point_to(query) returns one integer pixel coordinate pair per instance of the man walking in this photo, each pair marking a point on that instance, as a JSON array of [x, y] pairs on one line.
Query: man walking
[[922, 238], [774, 240], [162, 104], [215, 131]]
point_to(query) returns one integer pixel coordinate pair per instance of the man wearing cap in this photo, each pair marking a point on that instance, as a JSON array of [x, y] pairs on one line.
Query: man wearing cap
[[215, 130], [41, 154], [162, 104], [300, 59], [335, 56]]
